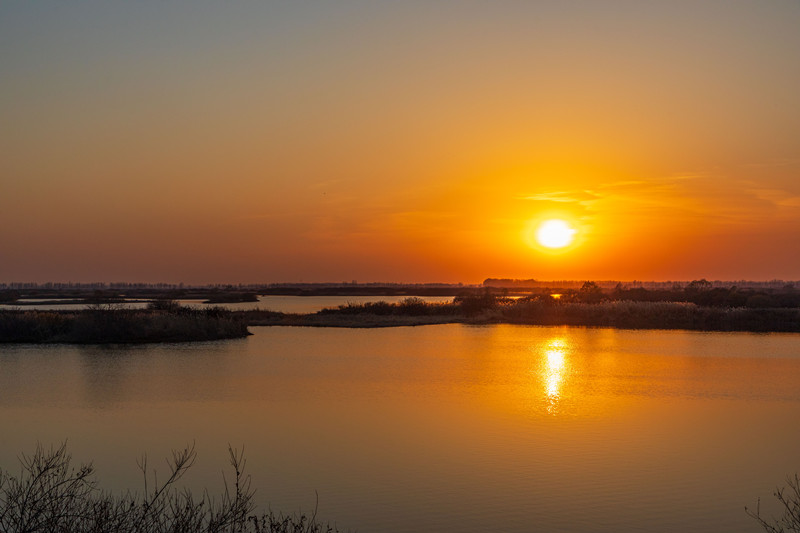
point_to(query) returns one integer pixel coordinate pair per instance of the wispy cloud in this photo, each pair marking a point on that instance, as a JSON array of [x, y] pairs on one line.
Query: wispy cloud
[[581, 197], [778, 197], [685, 195]]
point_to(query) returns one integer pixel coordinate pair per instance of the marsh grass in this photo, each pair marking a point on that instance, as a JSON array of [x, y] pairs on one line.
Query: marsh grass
[[651, 315], [407, 307], [487, 308], [111, 323], [50, 495]]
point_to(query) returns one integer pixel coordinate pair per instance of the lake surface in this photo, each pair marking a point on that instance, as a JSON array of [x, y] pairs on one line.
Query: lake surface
[[280, 303], [447, 427]]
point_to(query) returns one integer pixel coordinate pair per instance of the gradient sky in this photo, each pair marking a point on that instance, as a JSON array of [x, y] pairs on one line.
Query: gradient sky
[[201, 142]]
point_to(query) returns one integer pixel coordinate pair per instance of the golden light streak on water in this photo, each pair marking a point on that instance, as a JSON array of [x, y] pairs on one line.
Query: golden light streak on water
[[553, 372]]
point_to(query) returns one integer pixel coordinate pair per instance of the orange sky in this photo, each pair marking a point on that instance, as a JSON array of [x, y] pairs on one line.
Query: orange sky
[[398, 141]]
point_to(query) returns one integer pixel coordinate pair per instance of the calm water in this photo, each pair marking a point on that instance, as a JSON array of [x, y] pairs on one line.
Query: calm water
[[283, 304], [452, 427]]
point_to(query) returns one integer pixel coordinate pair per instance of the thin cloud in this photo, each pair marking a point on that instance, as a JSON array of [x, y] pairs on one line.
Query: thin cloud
[[622, 184], [580, 197], [776, 197]]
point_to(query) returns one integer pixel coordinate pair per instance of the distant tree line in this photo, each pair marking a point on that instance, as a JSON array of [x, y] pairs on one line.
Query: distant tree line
[[701, 292]]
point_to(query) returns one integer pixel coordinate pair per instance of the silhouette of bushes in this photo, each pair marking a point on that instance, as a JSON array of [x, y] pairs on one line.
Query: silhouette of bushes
[[8, 296], [590, 292], [703, 293], [164, 305], [789, 499], [416, 307], [352, 308], [571, 310], [107, 324], [651, 315], [50, 495], [471, 304], [217, 297], [407, 307]]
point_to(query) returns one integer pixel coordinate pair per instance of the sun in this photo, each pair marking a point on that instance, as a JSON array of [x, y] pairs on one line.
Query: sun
[[555, 233]]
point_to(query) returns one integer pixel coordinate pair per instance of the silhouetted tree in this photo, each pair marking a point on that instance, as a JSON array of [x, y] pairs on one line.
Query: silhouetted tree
[[590, 292], [698, 285]]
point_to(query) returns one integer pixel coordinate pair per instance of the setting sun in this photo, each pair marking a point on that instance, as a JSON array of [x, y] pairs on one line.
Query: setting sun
[[555, 233]]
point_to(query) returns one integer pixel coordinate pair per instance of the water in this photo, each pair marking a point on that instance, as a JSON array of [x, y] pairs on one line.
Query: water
[[312, 304], [283, 304], [450, 427]]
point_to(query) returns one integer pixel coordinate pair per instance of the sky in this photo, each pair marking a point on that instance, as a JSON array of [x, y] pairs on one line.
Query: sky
[[256, 142]]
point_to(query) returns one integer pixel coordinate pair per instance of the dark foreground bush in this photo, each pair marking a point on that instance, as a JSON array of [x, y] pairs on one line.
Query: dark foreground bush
[[114, 325], [50, 495], [789, 499]]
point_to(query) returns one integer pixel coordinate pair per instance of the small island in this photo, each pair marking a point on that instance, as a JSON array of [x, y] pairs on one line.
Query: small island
[[162, 321]]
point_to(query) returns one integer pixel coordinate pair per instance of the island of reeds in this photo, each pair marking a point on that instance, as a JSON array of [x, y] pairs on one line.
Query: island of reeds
[[161, 321]]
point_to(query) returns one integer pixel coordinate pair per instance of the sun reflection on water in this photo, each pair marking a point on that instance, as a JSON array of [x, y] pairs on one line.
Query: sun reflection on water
[[553, 372]]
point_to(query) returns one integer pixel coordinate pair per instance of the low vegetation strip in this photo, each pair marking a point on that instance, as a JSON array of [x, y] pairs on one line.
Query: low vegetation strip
[[543, 311], [108, 324], [166, 321], [654, 315]]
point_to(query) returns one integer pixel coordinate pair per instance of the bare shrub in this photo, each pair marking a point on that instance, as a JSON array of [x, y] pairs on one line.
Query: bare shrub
[[789, 498], [50, 495]]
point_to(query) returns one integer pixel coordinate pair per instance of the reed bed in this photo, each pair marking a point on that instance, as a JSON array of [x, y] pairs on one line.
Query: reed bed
[[545, 311], [113, 324]]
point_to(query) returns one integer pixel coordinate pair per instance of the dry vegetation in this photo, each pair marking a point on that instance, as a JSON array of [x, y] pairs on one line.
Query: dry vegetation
[[789, 499], [110, 323], [590, 308], [51, 496]]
